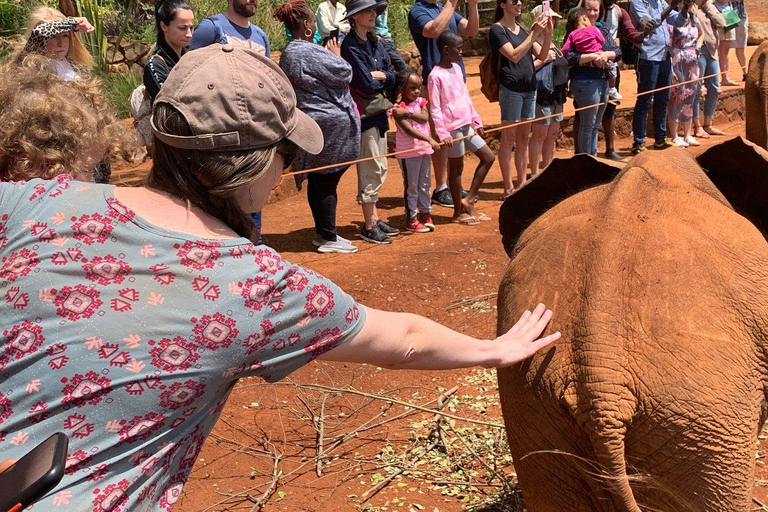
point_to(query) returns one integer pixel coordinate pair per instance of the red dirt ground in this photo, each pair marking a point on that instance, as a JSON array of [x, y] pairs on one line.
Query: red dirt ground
[[268, 433]]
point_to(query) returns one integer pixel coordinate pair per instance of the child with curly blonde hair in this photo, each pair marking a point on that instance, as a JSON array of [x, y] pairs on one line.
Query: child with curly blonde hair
[[49, 126]]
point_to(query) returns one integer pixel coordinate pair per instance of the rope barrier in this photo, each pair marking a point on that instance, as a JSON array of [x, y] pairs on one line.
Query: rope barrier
[[500, 127]]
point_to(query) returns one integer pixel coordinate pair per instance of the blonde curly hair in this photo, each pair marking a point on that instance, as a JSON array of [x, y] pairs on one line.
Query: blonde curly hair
[[77, 55], [49, 126]]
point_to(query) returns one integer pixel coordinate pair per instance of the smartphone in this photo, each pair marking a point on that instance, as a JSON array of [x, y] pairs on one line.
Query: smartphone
[[34, 475], [335, 34], [545, 8]]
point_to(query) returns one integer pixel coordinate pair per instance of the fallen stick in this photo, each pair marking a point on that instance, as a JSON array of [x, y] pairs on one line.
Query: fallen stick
[[441, 401]]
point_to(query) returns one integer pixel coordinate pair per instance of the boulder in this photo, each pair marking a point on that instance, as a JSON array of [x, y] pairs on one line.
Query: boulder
[[758, 32], [135, 51]]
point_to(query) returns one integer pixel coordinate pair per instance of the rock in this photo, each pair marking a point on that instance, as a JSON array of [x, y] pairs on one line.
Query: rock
[[137, 70], [135, 51], [119, 69], [758, 32]]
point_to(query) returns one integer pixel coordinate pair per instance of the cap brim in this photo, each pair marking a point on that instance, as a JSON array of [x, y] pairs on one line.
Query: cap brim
[[307, 134]]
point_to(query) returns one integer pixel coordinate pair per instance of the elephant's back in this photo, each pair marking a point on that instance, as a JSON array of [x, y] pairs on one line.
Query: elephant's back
[[649, 284]]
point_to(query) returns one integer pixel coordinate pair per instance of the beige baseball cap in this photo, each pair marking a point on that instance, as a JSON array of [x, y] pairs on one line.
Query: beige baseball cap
[[234, 98]]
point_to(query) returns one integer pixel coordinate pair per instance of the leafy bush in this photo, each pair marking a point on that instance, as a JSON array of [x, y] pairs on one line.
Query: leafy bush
[[14, 15], [118, 88]]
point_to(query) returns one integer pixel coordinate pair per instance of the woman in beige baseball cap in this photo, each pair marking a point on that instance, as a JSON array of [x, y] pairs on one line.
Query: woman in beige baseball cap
[[150, 303]]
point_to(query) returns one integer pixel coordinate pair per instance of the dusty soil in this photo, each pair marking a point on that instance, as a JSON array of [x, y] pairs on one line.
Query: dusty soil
[[757, 10], [263, 450]]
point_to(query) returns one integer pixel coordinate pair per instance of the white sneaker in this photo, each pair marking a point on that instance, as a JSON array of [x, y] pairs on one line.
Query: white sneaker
[[319, 240], [613, 93], [691, 141], [679, 142], [340, 246]]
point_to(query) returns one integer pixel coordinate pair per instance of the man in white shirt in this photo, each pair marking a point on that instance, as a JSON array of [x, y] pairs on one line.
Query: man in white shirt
[[330, 16]]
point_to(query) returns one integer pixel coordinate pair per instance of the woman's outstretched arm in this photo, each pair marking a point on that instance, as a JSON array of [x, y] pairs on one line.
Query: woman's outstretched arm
[[406, 341]]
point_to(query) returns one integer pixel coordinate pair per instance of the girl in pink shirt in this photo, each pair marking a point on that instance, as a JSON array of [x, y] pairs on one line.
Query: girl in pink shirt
[[455, 117], [587, 38], [412, 119]]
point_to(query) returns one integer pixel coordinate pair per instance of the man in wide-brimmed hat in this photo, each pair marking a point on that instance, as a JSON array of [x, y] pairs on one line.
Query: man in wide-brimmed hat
[[428, 19]]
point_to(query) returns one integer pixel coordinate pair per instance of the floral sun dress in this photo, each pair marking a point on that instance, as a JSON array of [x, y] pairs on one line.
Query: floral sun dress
[[685, 67]]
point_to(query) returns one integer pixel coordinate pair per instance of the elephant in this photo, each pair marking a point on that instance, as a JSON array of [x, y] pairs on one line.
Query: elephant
[[756, 97], [654, 396]]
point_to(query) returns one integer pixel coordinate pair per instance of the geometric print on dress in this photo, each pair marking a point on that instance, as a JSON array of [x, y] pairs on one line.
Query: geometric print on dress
[[257, 292], [181, 394], [86, 389], [91, 229], [23, 339], [5, 408], [170, 356], [319, 301], [80, 302], [198, 255], [18, 264], [112, 497], [215, 332], [106, 270], [141, 428]]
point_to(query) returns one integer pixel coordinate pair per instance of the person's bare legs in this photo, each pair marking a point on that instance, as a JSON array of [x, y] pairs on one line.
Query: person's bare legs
[[440, 166], [370, 215], [742, 58], [686, 128], [548, 149], [672, 132], [505, 159], [707, 126], [486, 161], [522, 135], [455, 168], [538, 135], [722, 57]]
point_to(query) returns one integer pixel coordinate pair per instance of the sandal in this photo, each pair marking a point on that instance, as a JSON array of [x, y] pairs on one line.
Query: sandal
[[482, 217], [466, 219]]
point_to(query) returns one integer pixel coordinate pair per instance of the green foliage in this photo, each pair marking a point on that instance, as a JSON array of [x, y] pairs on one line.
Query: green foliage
[[118, 88], [14, 15], [96, 41]]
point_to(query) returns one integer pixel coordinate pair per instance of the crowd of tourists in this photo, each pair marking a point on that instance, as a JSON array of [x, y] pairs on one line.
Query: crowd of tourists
[[350, 78]]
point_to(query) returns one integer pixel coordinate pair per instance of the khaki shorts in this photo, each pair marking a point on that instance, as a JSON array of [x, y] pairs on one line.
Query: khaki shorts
[[371, 173], [740, 34], [726, 36]]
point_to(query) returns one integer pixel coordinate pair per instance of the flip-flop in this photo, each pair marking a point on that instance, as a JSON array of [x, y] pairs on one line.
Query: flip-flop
[[482, 216], [466, 220]]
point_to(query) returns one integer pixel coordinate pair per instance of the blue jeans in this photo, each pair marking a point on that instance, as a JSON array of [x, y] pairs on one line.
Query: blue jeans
[[652, 75], [708, 65], [256, 216], [585, 93]]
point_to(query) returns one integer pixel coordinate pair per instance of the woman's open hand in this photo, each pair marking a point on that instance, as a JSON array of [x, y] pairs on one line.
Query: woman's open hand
[[522, 340], [83, 25]]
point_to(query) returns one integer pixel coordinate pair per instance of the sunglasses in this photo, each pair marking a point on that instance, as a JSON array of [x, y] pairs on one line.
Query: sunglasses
[[288, 150]]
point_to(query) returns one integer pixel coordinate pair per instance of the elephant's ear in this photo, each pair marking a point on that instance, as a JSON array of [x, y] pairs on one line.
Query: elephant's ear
[[739, 170], [560, 180]]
